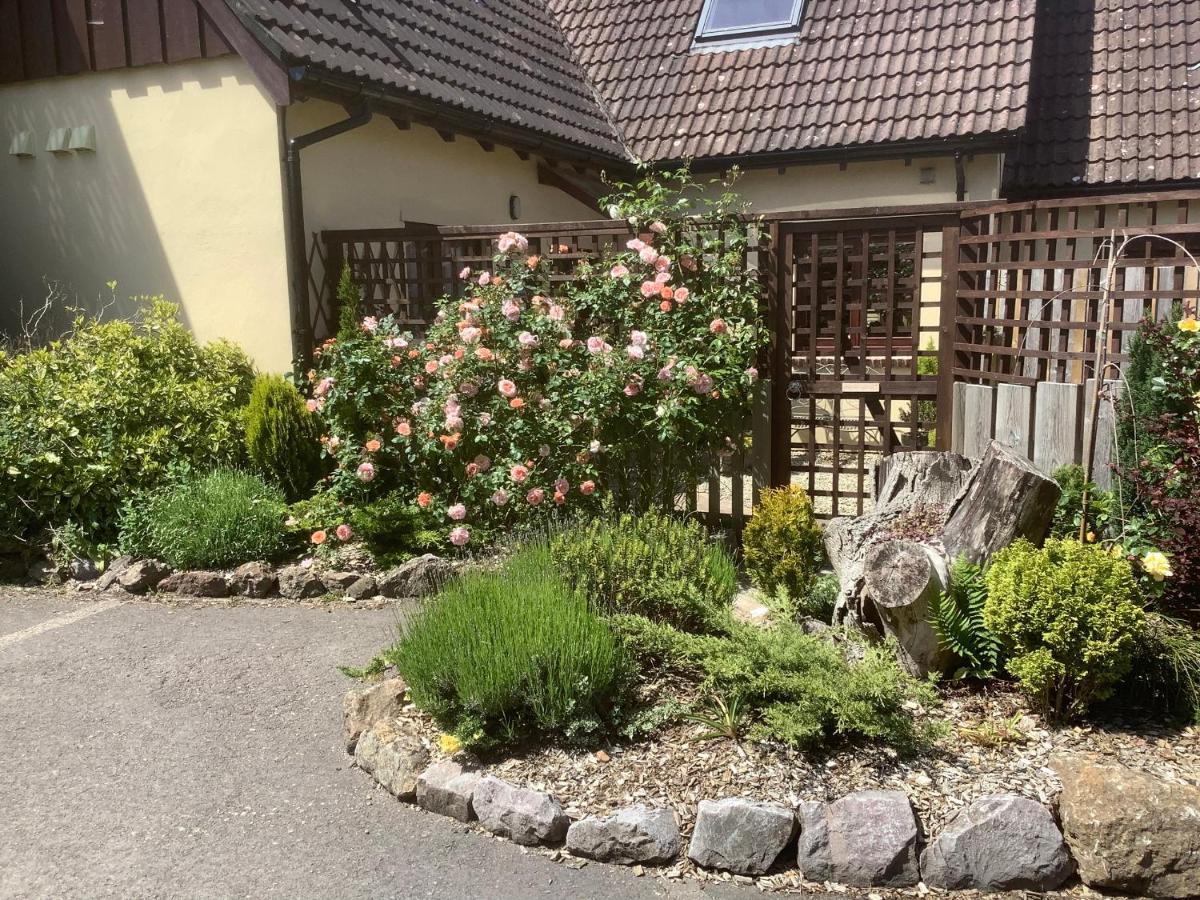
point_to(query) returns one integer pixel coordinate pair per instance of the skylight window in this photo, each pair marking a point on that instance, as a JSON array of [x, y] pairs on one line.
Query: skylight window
[[737, 20]]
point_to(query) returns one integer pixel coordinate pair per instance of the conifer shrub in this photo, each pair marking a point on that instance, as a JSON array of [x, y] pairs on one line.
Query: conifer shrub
[[781, 545], [282, 438], [1069, 619]]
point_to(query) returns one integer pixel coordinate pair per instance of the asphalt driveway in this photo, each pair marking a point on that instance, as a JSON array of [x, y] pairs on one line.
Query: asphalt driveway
[[156, 751]]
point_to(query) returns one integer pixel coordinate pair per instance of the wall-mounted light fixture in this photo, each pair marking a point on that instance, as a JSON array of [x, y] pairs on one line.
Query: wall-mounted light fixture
[[514, 207], [21, 144], [83, 137], [58, 140]]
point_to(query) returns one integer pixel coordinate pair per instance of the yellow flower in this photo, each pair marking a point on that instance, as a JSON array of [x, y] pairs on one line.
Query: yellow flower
[[1189, 323], [1156, 565], [1116, 551], [1091, 537], [449, 744]]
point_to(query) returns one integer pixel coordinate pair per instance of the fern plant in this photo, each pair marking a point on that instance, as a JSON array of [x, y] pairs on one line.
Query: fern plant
[[957, 618]]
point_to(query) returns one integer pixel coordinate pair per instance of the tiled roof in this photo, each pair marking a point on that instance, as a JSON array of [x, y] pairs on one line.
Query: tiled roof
[[1116, 96], [860, 72], [502, 61]]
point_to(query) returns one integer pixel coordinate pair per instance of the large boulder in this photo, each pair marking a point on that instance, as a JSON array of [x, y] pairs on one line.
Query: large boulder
[[393, 756], [337, 582], [143, 575], [447, 789], [299, 582], [254, 579], [1128, 830], [521, 815], [865, 838], [740, 836], [112, 572], [1001, 842], [195, 584], [419, 577], [635, 835], [361, 588], [362, 708]]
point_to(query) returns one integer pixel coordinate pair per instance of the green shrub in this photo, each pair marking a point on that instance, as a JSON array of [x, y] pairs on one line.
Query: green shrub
[[282, 438], [957, 618], [221, 518], [1068, 618], [797, 688], [392, 529], [1068, 515], [781, 546], [822, 597], [111, 409], [652, 564], [1166, 669], [503, 656]]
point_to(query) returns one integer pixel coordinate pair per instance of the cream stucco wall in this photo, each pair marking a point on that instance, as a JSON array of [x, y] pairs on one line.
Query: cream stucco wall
[[871, 183], [183, 197], [379, 177]]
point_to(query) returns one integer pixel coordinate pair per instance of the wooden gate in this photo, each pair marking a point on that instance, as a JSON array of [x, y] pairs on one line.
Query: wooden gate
[[858, 328]]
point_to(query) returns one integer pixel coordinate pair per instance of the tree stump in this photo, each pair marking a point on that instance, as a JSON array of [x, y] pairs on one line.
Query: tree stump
[[930, 508]]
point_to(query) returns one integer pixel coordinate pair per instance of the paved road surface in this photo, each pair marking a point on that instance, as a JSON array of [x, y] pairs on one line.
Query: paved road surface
[[154, 751]]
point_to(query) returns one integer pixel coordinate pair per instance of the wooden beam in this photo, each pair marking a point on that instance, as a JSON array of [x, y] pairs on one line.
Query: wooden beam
[[402, 124], [270, 72], [522, 154], [488, 146], [447, 136], [549, 177]]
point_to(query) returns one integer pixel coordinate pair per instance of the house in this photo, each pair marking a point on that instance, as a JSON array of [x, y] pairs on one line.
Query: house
[[194, 147]]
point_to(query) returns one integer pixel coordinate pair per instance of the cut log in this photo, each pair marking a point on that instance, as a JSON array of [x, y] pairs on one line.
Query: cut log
[[927, 475], [901, 582], [1008, 497]]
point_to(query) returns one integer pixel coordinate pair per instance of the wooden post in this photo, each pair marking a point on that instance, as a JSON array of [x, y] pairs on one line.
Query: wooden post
[[972, 419], [1055, 425], [777, 280]]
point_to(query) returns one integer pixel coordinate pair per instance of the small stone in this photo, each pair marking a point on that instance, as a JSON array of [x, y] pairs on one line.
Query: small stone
[[83, 570], [195, 584], [143, 575], [1128, 830], [112, 572], [446, 789], [46, 571], [299, 582], [865, 838], [740, 836], [521, 815], [629, 836], [337, 582], [254, 579], [418, 577], [394, 757], [601, 756], [363, 707], [1001, 842], [362, 587]]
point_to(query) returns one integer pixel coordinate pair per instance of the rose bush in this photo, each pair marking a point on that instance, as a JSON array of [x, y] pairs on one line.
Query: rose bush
[[527, 396]]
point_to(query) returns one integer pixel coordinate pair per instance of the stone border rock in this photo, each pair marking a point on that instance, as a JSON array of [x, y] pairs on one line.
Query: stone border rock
[[417, 578], [871, 838]]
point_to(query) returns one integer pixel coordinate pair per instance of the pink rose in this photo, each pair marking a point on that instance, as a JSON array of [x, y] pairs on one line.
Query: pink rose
[[484, 278], [632, 389], [469, 388], [459, 536], [472, 470], [465, 273], [662, 263], [344, 532], [688, 262], [717, 326], [311, 405], [470, 334], [633, 351], [511, 310], [618, 271], [562, 485], [483, 462], [457, 512], [556, 312], [595, 344], [369, 324], [566, 343], [752, 373], [648, 254], [703, 384], [588, 487], [658, 227], [681, 294], [535, 497], [526, 339], [650, 288], [518, 473], [366, 472], [500, 497], [506, 387], [635, 244], [665, 374], [638, 338], [662, 278]]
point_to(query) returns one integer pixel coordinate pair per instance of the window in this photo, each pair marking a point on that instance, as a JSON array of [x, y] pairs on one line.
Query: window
[[733, 20]]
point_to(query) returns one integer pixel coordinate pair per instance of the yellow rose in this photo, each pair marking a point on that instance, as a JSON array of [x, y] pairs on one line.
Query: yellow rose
[[1091, 537], [449, 744], [1156, 565], [1189, 323]]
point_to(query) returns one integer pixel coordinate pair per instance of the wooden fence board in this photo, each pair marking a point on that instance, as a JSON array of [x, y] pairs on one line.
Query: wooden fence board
[[1014, 414], [1055, 420], [1106, 429], [972, 419]]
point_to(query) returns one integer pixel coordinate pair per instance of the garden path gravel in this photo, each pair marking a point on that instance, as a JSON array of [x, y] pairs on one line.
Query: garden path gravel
[[155, 750]]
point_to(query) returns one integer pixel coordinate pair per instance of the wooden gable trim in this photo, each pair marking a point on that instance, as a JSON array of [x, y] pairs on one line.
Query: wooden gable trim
[[270, 72]]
